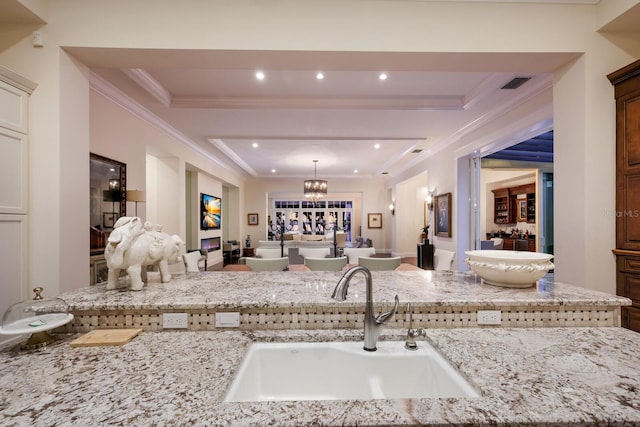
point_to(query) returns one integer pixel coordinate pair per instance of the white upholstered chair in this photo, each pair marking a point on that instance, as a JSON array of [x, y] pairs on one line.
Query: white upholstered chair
[[380, 264], [498, 243], [267, 264], [354, 253], [314, 252], [325, 264], [192, 261], [271, 252], [443, 260]]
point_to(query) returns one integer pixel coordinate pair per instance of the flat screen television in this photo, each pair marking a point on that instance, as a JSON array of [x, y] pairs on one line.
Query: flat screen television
[[210, 212]]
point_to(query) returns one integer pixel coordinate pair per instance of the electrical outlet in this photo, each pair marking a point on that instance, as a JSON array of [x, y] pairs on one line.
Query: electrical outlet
[[175, 321], [228, 320], [489, 317]]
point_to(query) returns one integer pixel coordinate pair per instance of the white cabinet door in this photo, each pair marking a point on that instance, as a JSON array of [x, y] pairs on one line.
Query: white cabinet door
[[14, 219], [13, 260], [13, 172], [13, 108]]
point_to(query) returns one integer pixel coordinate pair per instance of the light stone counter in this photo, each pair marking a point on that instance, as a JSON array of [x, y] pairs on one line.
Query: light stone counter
[[277, 289], [528, 376], [302, 300]]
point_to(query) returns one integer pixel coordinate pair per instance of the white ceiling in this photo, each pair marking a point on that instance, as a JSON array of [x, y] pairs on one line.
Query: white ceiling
[[428, 101], [211, 100]]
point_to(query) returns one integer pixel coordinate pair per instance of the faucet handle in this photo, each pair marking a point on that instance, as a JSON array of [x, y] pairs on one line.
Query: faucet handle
[[383, 317]]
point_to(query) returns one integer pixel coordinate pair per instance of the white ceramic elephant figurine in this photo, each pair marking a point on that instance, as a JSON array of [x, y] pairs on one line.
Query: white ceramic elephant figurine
[[132, 246]]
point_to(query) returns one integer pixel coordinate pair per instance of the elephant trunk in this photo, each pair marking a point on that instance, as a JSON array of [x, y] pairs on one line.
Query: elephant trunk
[[114, 255]]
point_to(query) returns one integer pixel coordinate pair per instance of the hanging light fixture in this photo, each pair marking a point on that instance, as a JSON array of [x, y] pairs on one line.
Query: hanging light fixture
[[315, 188]]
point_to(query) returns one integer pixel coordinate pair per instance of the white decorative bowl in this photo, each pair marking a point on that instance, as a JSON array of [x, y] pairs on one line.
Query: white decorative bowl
[[511, 269]]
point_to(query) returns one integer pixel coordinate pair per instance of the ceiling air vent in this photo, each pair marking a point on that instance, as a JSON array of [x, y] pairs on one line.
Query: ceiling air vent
[[516, 83], [416, 151]]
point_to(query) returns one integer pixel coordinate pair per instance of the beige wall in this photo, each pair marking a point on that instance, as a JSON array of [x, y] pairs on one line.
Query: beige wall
[[582, 103]]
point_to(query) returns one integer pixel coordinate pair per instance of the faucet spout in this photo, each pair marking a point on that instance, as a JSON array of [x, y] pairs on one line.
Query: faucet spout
[[372, 324]]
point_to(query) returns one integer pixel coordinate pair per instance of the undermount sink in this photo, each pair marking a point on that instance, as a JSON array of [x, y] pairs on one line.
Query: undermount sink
[[344, 371]]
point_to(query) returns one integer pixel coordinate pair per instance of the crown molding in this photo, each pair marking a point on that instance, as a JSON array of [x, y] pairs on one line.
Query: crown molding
[[233, 156], [14, 79], [106, 89], [148, 83]]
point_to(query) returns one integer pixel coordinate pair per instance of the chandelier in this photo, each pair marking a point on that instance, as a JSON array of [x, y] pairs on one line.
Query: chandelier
[[315, 188]]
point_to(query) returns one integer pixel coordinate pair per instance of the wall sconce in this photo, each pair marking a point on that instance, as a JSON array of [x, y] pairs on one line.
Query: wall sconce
[[392, 208], [429, 201]]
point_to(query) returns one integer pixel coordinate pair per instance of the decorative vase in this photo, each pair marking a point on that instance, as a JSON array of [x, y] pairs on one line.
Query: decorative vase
[[247, 243]]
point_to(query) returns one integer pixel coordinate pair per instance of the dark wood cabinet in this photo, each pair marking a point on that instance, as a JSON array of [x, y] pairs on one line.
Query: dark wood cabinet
[[248, 252], [627, 94], [502, 209], [517, 243], [531, 207], [514, 204]]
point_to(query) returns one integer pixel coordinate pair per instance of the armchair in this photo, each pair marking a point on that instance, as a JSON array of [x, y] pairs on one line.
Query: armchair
[[325, 264], [231, 250], [444, 259], [380, 264], [267, 264], [192, 260]]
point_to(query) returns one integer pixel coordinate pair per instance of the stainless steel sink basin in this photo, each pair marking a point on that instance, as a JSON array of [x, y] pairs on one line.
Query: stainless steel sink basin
[[344, 371]]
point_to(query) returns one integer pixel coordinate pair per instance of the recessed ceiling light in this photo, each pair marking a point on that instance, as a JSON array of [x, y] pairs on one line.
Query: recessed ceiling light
[[376, 146], [260, 75], [355, 171], [254, 145], [383, 76], [320, 75], [273, 171]]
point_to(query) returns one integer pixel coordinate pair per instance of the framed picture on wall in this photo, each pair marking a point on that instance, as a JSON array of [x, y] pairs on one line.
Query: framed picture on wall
[[109, 219], [210, 212], [252, 219], [374, 220], [522, 209], [443, 214]]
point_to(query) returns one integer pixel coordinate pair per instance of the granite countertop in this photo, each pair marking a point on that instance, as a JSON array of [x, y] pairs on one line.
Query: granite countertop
[[277, 289], [550, 376]]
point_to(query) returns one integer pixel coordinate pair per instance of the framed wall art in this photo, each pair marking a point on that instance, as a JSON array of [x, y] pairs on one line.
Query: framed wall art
[[442, 208], [109, 219], [374, 220], [522, 210], [210, 212], [252, 219]]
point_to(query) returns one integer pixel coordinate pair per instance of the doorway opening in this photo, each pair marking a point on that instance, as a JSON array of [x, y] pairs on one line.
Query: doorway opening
[[515, 196]]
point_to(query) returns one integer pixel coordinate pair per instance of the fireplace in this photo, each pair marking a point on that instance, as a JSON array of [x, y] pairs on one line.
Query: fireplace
[[211, 244]]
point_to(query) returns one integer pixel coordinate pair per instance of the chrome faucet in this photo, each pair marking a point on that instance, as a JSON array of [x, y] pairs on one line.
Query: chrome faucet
[[372, 325], [412, 334]]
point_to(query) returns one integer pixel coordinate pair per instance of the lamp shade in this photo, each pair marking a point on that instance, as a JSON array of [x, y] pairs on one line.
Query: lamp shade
[[135, 196]]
